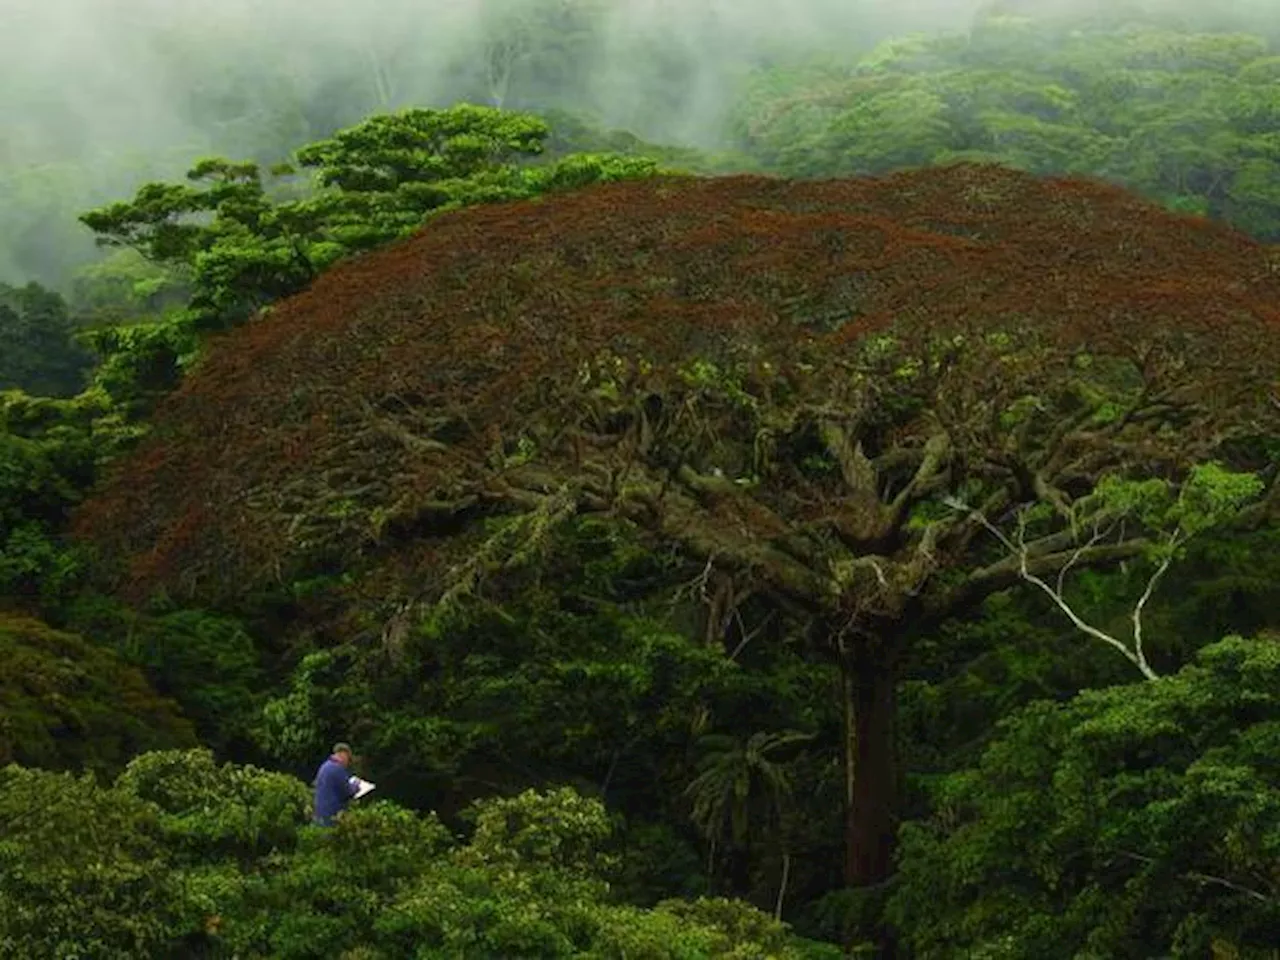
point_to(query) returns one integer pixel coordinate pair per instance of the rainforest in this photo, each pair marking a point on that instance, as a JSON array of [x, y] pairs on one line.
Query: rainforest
[[744, 483]]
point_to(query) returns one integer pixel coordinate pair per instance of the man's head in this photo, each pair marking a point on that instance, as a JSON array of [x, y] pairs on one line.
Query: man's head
[[342, 753]]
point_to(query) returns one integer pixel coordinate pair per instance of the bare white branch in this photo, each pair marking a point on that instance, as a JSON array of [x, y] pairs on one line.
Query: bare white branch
[[1205, 878], [1020, 550], [1098, 534], [1174, 540]]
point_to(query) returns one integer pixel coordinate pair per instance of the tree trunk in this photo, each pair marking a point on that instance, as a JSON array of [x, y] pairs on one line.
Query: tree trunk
[[782, 886], [872, 815]]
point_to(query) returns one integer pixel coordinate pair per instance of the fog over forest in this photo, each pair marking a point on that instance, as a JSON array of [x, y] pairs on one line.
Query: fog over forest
[[91, 77], [88, 76], [98, 96]]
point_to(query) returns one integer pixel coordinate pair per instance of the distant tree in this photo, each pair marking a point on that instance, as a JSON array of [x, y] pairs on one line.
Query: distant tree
[[38, 350], [40, 197], [1179, 116], [536, 53]]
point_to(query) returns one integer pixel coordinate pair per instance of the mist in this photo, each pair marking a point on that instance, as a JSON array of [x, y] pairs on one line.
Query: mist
[[94, 77], [97, 96]]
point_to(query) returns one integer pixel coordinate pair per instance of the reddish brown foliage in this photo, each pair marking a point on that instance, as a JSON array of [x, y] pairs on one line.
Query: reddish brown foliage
[[400, 379]]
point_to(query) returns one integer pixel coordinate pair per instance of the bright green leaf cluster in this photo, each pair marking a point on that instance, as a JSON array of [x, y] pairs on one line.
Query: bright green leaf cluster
[[181, 856], [1137, 820]]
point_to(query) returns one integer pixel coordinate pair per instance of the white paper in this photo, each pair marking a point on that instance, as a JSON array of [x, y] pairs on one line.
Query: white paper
[[362, 787]]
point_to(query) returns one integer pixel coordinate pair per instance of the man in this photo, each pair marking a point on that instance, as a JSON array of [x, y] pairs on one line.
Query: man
[[334, 786]]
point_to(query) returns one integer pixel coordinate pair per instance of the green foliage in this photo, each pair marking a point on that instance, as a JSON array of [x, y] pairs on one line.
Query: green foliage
[[241, 250], [1210, 496], [38, 350], [33, 490], [1126, 821], [530, 885], [1228, 582], [739, 782], [294, 725], [572, 134], [142, 360], [575, 702], [573, 669], [209, 663], [85, 870], [182, 857], [1182, 117], [560, 829], [124, 286], [209, 811], [417, 148], [50, 452], [66, 704], [743, 932], [656, 860], [538, 682], [560, 667]]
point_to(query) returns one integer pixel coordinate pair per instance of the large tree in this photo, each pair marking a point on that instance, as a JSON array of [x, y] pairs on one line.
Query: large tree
[[789, 382]]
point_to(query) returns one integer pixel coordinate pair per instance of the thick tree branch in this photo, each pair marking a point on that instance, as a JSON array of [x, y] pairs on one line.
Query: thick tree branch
[[760, 546], [857, 470], [1003, 574], [932, 467]]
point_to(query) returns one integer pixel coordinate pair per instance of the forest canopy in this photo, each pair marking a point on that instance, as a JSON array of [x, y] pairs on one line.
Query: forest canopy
[[746, 486]]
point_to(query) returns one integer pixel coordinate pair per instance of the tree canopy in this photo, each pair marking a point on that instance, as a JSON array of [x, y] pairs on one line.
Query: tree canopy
[[69, 705], [1023, 295], [831, 392], [38, 351], [248, 242], [1051, 96]]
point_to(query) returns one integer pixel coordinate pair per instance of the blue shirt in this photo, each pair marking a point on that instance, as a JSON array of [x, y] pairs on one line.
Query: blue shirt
[[333, 790]]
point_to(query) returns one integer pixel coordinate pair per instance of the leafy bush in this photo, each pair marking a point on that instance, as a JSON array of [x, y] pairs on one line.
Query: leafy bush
[[208, 810], [85, 872], [67, 704], [182, 857]]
